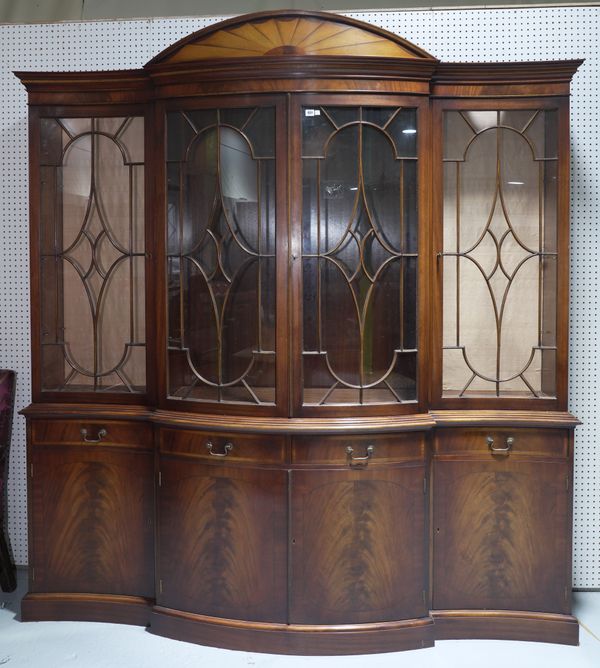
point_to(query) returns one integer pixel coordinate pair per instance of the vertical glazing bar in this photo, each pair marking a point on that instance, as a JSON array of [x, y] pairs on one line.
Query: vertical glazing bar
[[93, 158], [319, 264], [402, 251], [219, 319], [181, 259], [499, 188], [58, 335], [131, 299], [361, 321], [259, 248], [540, 246], [458, 222]]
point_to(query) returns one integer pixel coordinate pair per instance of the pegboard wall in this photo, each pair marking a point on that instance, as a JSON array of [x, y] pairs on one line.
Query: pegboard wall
[[473, 35]]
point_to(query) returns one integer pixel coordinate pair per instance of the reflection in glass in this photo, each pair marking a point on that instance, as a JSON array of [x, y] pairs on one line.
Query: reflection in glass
[[500, 236], [359, 249], [221, 255], [92, 254]]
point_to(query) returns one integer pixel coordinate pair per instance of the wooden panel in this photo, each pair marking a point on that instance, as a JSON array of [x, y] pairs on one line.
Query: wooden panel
[[358, 546], [293, 33], [323, 425], [526, 442], [194, 82], [504, 418], [333, 449], [92, 516], [501, 535], [293, 639], [86, 608], [223, 540], [69, 432], [506, 625], [255, 448]]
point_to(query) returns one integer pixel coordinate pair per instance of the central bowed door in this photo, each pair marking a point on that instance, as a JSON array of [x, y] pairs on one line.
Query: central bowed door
[[357, 207]]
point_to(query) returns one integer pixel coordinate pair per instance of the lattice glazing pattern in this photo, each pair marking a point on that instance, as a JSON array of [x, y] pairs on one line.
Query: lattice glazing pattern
[[500, 208], [221, 255], [359, 255], [92, 240]]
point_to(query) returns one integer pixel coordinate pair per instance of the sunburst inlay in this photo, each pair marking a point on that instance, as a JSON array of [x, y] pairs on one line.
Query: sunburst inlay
[[294, 36]]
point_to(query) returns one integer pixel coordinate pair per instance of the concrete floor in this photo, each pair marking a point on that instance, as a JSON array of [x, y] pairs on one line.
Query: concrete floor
[[91, 645]]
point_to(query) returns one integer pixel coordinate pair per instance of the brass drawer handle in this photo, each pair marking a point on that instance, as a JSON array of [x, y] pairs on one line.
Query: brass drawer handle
[[352, 459], [228, 448], [101, 434], [500, 451]]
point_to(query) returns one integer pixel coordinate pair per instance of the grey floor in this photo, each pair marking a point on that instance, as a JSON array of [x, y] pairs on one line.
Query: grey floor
[[66, 644]]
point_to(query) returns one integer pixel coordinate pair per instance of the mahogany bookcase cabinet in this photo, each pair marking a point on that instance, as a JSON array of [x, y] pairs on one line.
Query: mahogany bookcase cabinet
[[299, 306]]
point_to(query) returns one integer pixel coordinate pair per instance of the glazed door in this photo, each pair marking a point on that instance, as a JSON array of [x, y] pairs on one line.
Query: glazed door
[[502, 258], [356, 254], [358, 545], [223, 540], [226, 256], [89, 332]]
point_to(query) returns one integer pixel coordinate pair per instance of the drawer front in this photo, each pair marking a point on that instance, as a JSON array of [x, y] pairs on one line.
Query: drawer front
[[364, 450], [230, 447], [502, 442], [92, 433]]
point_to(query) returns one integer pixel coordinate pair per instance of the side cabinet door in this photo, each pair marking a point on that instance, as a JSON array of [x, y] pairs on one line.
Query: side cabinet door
[[501, 535], [223, 540], [358, 545], [92, 520]]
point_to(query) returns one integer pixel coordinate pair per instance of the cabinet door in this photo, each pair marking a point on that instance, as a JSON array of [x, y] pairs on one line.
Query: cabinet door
[[357, 296], [501, 532], [224, 200], [358, 545], [92, 520], [223, 540], [89, 328], [502, 255]]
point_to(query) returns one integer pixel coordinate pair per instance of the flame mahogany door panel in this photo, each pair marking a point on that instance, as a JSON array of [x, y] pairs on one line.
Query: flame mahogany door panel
[[223, 540], [501, 530], [358, 545], [92, 520]]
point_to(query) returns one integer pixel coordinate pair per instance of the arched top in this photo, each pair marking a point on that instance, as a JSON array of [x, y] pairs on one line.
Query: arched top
[[289, 33]]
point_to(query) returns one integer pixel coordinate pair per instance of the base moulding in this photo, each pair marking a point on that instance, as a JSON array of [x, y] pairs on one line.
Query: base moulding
[[300, 639], [86, 608]]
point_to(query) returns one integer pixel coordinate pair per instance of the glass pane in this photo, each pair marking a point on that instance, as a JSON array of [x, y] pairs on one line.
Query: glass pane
[[403, 130], [92, 245], [500, 207], [316, 127], [221, 256], [359, 243]]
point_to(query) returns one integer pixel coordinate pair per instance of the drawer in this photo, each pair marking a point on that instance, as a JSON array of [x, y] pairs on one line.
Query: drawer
[[219, 446], [502, 442], [358, 450], [92, 433]]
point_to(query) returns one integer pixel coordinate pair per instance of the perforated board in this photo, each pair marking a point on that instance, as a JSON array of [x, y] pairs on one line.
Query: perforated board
[[461, 35]]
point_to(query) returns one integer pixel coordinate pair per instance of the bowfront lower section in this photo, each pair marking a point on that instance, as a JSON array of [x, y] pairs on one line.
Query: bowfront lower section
[[298, 542], [293, 539]]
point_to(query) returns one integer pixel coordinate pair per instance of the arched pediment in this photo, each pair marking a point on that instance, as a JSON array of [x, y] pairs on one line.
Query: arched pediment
[[289, 33]]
